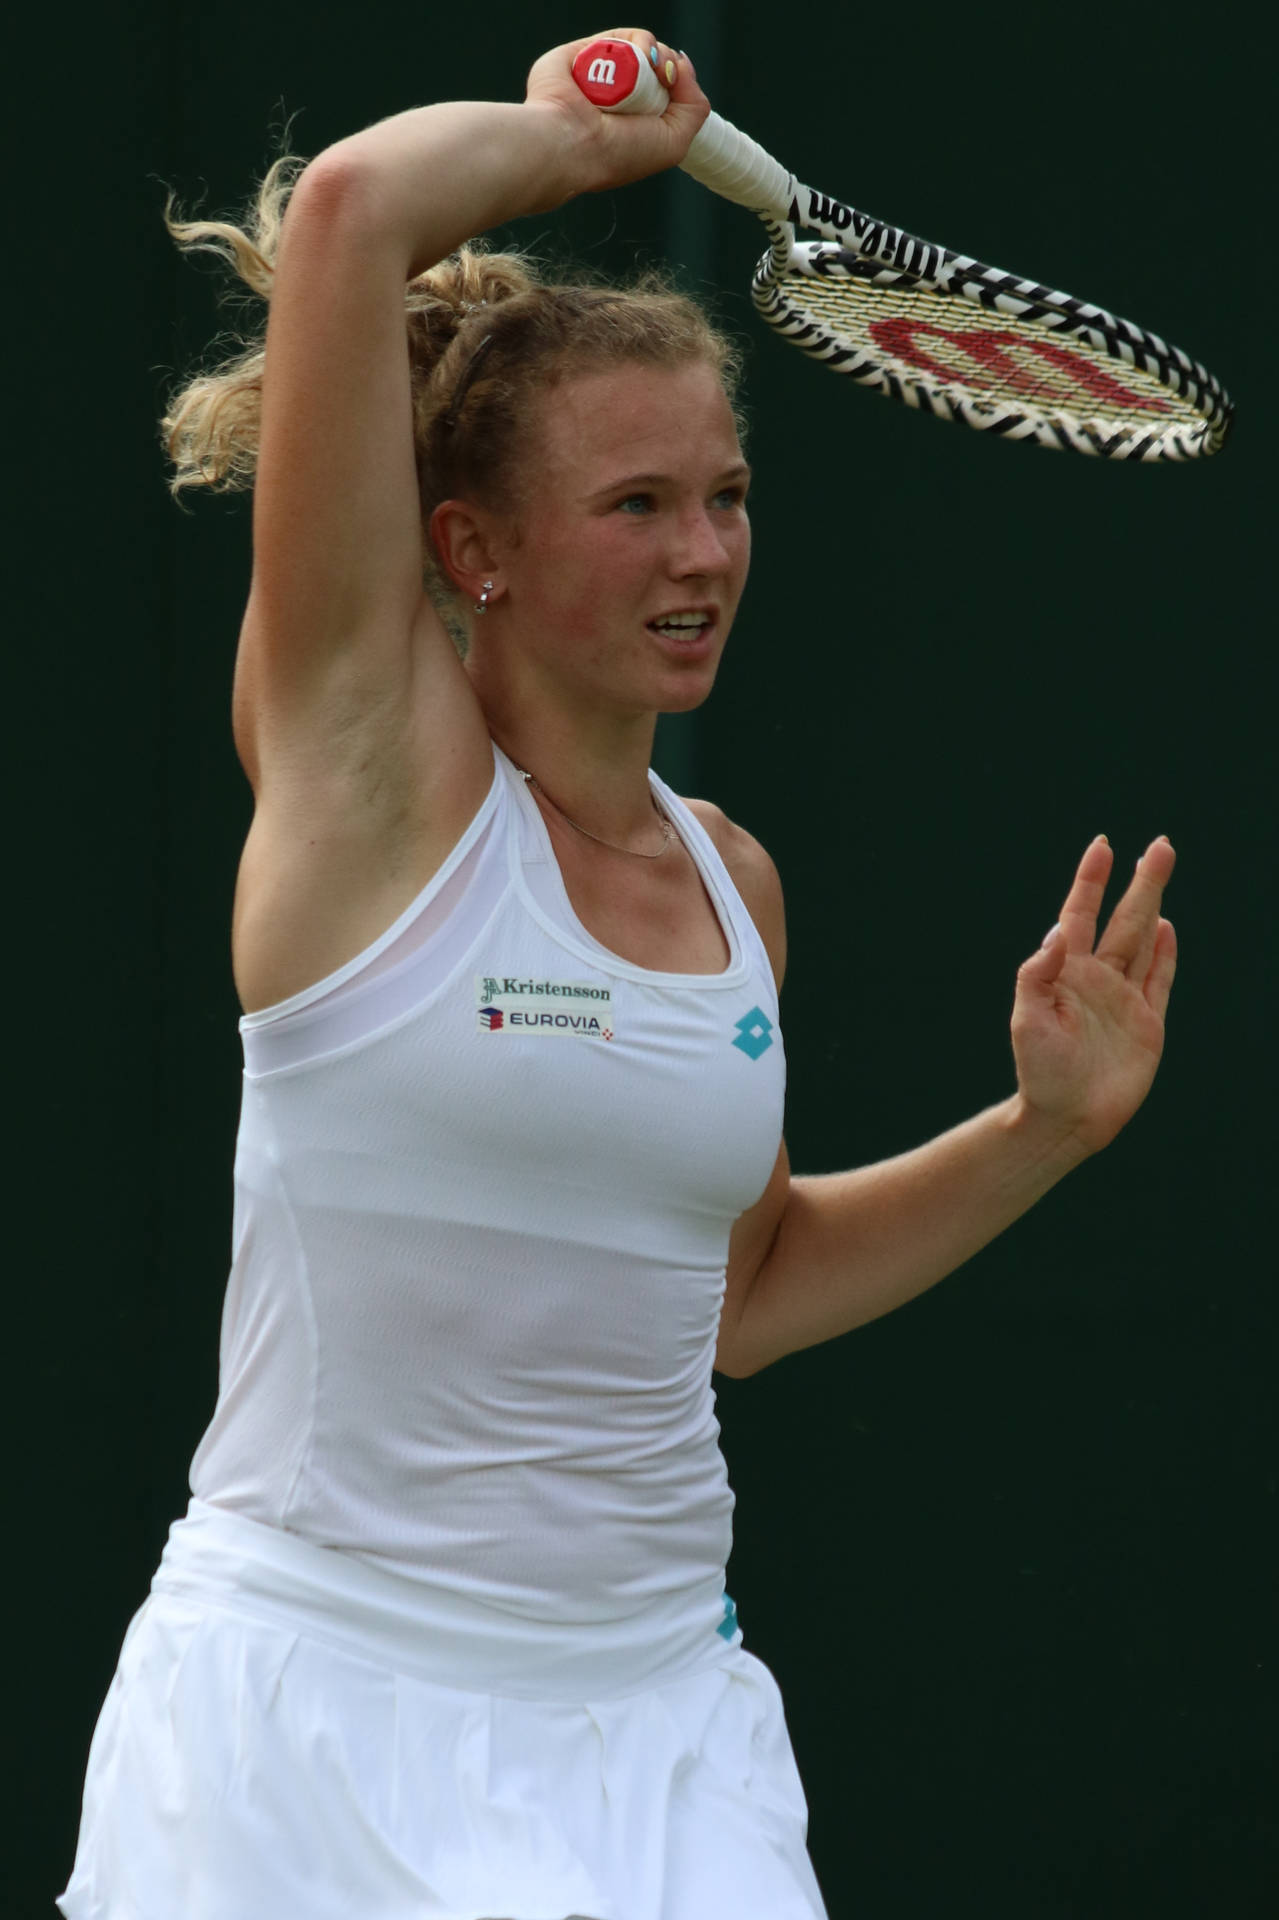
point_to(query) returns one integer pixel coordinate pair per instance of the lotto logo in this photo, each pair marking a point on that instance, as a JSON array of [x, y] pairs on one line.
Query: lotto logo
[[754, 1033]]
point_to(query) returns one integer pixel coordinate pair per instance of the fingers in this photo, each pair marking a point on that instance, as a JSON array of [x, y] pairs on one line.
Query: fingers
[[1129, 942], [664, 61], [1043, 967], [1163, 967], [624, 142], [1137, 942], [673, 69], [1083, 903]]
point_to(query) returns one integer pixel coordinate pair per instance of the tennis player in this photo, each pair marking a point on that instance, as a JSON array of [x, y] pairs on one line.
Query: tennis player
[[444, 1631]]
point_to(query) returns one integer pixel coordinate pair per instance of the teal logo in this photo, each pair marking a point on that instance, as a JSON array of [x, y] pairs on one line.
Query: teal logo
[[754, 1033], [728, 1625]]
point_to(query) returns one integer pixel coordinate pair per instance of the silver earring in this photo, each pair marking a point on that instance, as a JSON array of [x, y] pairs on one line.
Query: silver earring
[[481, 605]]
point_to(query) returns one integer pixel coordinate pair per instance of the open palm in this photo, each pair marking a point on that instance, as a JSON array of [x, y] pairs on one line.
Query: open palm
[[1088, 1019]]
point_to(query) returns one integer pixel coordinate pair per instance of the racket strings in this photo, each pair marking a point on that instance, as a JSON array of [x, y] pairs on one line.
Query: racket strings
[[1065, 374], [1003, 358]]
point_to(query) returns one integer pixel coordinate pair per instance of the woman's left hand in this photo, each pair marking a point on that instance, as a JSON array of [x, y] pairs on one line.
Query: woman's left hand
[[1088, 1019]]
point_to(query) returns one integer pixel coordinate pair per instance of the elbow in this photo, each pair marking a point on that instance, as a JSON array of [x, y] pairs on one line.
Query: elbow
[[337, 187]]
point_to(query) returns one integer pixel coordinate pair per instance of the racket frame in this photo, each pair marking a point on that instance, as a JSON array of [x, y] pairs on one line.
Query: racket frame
[[863, 248]]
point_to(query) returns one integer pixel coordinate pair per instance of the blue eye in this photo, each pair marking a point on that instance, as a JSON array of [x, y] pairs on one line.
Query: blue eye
[[731, 497], [635, 503]]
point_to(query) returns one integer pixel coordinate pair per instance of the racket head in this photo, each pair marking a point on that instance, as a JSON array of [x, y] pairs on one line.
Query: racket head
[[931, 327], [993, 352]]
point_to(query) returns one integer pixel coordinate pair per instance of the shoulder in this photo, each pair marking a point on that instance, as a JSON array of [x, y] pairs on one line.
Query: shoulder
[[751, 869]]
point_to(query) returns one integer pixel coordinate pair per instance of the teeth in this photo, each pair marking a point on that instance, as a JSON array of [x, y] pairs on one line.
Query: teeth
[[683, 620]]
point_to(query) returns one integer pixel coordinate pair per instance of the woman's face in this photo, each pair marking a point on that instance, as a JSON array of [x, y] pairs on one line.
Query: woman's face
[[629, 557]]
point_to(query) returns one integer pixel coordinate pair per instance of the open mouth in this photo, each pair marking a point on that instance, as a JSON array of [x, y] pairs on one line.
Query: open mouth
[[683, 627]]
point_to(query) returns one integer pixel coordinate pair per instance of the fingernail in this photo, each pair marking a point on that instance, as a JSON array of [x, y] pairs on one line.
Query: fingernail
[[652, 54], [1051, 934], [670, 73], [1104, 838]]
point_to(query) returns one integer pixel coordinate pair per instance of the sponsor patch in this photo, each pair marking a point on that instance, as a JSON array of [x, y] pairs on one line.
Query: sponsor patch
[[558, 1009]]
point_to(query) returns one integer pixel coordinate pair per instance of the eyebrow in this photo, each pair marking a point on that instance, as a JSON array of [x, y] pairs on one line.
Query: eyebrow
[[631, 481]]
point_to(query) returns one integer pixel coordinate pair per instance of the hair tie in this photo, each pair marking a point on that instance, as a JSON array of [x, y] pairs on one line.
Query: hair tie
[[464, 384]]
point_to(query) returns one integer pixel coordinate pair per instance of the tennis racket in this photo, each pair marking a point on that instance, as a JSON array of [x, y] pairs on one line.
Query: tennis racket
[[930, 327]]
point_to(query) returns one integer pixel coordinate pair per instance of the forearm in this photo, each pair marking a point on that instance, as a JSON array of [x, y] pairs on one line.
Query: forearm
[[852, 1246], [435, 176]]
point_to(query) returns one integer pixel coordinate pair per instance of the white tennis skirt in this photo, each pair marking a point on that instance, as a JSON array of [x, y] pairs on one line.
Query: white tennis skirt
[[293, 1734]]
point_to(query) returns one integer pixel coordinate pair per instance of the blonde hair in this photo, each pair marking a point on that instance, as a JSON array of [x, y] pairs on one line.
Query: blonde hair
[[488, 333]]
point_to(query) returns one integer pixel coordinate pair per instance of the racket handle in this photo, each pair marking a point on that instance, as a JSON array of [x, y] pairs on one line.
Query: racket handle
[[618, 79]]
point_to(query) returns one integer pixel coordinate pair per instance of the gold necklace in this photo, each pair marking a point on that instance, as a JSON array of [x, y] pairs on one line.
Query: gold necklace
[[668, 832]]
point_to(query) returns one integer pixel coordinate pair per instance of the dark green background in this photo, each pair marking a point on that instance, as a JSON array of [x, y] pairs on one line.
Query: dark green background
[[1010, 1551]]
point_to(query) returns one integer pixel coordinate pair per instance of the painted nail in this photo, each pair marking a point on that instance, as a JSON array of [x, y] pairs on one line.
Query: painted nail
[[652, 54], [670, 73]]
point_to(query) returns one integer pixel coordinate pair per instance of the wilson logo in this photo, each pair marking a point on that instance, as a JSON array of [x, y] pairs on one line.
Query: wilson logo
[[987, 351], [829, 213], [874, 241]]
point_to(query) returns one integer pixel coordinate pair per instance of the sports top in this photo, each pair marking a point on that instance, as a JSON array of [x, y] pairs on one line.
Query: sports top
[[484, 1183]]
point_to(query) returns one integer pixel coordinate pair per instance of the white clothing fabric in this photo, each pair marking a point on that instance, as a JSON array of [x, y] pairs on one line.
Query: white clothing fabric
[[443, 1635], [279, 1741], [478, 1267]]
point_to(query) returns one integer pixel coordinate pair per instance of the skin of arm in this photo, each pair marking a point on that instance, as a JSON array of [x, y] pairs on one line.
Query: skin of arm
[[818, 1256], [814, 1257], [436, 176]]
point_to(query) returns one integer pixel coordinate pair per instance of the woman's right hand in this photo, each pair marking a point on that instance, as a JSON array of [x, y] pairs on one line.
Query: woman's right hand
[[610, 149]]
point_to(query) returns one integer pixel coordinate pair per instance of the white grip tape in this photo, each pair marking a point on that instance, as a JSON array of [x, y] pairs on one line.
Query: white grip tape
[[733, 165]]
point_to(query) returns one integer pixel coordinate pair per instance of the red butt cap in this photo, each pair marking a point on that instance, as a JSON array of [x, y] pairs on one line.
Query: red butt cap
[[607, 71]]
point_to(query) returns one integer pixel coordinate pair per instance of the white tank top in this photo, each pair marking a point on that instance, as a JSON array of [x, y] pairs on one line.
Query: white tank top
[[484, 1184]]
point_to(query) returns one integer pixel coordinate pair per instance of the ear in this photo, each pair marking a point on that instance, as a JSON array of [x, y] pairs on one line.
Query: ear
[[466, 540]]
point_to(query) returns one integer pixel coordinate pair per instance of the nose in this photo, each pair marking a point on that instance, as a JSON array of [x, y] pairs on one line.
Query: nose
[[698, 546]]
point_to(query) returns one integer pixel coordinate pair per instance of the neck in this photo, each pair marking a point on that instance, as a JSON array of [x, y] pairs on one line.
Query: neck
[[593, 767]]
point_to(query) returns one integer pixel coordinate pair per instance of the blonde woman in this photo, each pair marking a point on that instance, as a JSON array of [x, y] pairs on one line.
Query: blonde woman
[[444, 1631]]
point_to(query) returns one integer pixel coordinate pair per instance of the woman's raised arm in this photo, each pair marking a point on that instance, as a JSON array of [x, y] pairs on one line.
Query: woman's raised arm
[[337, 608]]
